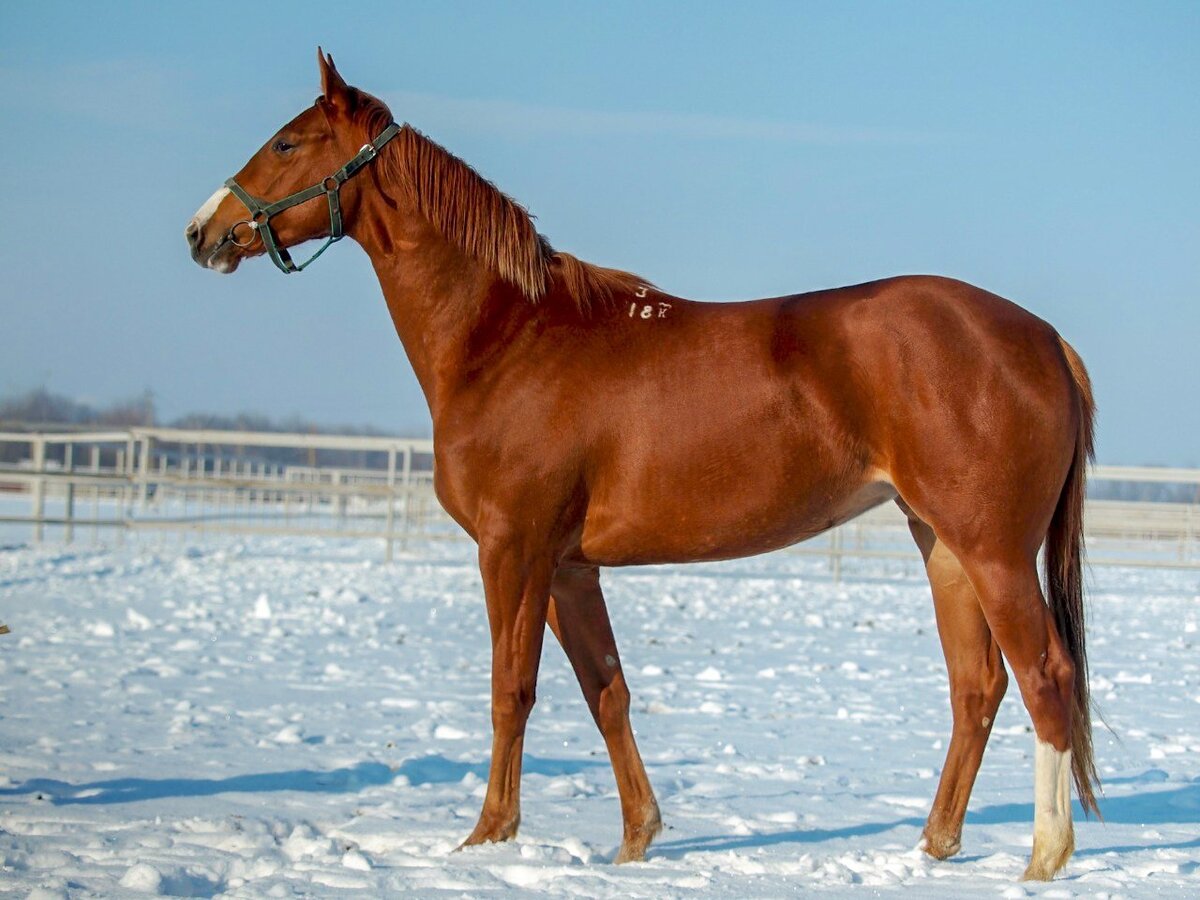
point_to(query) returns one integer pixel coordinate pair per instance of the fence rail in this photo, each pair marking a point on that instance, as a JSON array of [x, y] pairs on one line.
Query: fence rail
[[63, 484]]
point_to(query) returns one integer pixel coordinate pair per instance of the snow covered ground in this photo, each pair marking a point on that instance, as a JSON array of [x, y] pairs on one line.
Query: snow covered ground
[[277, 718]]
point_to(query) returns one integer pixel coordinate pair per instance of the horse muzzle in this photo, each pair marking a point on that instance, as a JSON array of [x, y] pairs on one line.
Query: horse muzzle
[[210, 248], [220, 255]]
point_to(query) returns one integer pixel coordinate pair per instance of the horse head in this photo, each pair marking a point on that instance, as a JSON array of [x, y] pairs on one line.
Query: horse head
[[275, 201]]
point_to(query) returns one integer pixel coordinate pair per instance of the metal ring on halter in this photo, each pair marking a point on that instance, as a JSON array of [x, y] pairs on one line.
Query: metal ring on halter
[[253, 226]]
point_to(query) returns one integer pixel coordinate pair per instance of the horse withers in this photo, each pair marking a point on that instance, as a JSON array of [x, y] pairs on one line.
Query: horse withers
[[584, 418]]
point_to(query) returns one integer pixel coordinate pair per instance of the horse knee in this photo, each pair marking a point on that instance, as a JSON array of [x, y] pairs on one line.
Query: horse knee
[[613, 709], [995, 688], [513, 700], [975, 703]]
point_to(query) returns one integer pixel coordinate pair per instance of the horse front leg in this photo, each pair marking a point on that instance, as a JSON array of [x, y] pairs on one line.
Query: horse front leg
[[579, 619], [517, 590]]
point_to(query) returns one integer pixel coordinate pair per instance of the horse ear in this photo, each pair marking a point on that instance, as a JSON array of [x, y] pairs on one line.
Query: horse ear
[[332, 85]]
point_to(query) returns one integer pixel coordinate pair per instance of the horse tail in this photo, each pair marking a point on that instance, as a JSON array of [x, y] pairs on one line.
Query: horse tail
[[1064, 580]]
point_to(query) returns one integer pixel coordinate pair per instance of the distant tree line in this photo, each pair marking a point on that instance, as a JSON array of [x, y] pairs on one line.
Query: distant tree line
[[41, 407]]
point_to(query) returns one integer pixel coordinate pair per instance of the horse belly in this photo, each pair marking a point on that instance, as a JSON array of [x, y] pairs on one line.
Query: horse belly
[[721, 521]]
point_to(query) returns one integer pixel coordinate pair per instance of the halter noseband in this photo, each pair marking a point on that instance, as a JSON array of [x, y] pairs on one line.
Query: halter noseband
[[259, 222]]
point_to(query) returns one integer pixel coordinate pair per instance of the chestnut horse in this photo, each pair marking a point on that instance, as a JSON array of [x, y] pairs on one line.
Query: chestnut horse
[[584, 418]]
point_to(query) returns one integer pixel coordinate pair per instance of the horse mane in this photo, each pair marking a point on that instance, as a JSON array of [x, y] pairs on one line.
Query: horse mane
[[487, 224]]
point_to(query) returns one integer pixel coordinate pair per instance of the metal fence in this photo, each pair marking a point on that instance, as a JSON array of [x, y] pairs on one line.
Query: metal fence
[[73, 486]]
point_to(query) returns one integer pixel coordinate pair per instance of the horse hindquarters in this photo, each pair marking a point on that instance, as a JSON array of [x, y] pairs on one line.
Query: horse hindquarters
[[1017, 482]]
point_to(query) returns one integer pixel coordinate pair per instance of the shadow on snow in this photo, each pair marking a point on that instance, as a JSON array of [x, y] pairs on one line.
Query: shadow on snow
[[432, 769], [1180, 805]]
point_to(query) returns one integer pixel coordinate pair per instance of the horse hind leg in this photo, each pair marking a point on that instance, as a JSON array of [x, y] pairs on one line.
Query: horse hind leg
[[977, 685], [1011, 597], [579, 619]]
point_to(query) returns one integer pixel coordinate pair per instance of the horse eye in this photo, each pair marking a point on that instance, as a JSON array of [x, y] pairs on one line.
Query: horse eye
[[282, 146]]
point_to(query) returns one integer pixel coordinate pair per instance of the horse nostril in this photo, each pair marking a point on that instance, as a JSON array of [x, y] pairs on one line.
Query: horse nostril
[[192, 233]]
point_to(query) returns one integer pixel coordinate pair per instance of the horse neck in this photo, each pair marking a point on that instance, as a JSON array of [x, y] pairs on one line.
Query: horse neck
[[453, 315]]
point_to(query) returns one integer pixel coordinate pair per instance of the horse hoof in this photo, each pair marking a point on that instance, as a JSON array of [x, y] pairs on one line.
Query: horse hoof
[[490, 834], [941, 846], [1045, 864], [1053, 840], [633, 847]]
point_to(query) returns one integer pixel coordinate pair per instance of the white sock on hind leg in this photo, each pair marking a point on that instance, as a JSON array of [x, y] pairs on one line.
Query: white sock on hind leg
[[1053, 833]]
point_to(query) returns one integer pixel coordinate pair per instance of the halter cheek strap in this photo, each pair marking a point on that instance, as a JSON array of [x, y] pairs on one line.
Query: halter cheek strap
[[261, 212]]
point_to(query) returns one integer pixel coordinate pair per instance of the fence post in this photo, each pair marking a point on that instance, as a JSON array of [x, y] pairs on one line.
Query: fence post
[[336, 478], [38, 498], [94, 466], [185, 472], [1189, 531], [406, 480], [127, 469], [69, 466], [391, 502], [144, 474]]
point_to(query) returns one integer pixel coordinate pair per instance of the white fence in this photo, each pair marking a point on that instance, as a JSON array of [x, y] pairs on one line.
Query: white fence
[[71, 486], [221, 481]]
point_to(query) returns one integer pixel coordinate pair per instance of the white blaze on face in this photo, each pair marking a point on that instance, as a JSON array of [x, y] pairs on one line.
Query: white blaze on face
[[205, 212]]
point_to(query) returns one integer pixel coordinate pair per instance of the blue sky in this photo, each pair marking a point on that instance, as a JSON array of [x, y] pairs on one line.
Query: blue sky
[[1045, 152]]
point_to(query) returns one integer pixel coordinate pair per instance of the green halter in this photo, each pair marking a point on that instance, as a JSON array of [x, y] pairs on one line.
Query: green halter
[[259, 222]]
